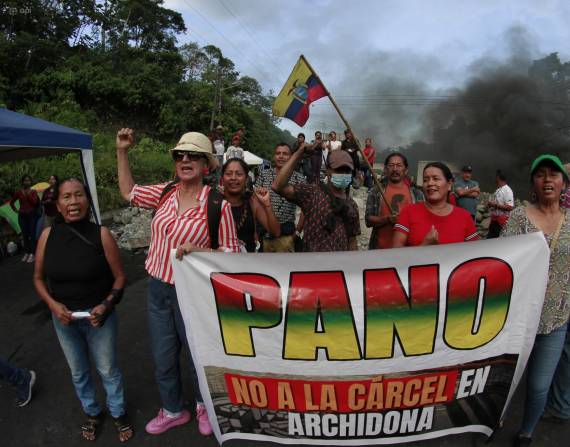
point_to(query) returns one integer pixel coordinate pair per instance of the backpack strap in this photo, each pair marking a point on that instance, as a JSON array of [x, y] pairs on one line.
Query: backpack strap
[[168, 190], [214, 213]]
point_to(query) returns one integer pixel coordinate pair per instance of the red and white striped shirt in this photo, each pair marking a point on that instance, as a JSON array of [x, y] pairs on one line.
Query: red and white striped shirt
[[169, 230]]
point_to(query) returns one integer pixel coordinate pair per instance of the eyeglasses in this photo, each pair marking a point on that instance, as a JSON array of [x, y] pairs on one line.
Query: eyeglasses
[[191, 156]]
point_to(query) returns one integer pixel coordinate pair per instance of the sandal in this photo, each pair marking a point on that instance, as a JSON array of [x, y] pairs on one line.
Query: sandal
[[124, 429], [90, 429]]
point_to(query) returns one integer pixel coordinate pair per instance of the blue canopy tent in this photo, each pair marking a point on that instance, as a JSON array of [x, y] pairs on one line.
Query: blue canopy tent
[[23, 137]]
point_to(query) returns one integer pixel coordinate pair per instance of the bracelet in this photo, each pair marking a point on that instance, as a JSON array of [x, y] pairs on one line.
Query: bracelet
[[116, 295], [108, 305]]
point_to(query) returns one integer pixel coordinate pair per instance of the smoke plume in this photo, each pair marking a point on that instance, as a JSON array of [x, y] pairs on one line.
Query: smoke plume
[[507, 113]]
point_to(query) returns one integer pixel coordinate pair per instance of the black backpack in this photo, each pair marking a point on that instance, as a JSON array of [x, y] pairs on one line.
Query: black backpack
[[213, 210]]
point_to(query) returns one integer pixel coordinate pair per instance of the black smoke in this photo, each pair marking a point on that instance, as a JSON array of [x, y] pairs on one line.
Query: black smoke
[[513, 106], [509, 112], [501, 120]]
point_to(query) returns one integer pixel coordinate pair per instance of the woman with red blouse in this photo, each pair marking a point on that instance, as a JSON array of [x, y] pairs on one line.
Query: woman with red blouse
[[181, 223], [435, 221], [28, 215]]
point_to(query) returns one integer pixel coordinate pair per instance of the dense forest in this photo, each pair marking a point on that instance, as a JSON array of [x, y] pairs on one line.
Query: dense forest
[[99, 66]]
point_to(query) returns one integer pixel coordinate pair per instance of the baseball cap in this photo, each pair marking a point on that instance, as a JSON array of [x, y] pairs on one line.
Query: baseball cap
[[548, 159], [466, 168], [338, 159]]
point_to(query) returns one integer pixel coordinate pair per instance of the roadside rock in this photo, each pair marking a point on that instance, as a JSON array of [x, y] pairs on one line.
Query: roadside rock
[[132, 228]]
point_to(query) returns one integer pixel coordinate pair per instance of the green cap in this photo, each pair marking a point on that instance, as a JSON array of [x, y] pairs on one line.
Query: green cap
[[553, 159]]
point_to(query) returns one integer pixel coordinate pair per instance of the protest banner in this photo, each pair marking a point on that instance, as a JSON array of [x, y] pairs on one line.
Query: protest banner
[[357, 348]]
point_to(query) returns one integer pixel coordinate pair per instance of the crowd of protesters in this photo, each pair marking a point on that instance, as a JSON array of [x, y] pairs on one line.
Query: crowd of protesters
[[301, 203]]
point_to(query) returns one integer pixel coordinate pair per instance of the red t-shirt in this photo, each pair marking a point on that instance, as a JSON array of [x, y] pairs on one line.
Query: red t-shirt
[[29, 200], [416, 220], [398, 196]]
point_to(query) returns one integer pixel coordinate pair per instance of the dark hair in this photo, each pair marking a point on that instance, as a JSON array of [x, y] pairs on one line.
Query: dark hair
[[501, 175], [243, 164], [59, 217], [394, 154], [282, 144], [56, 179], [25, 177], [442, 167], [301, 135]]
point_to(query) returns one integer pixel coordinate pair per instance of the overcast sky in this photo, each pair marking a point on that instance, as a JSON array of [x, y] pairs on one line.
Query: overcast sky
[[374, 55]]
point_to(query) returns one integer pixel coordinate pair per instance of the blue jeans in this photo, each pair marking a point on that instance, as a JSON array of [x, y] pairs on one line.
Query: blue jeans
[[540, 371], [167, 336], [12, 374], [559, 397], [28, 222], [79, 340]]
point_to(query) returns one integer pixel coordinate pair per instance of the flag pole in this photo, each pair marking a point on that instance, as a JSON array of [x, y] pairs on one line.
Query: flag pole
[[346, 123]]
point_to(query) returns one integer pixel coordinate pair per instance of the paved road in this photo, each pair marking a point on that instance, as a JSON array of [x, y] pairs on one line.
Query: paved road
[[54, 416]]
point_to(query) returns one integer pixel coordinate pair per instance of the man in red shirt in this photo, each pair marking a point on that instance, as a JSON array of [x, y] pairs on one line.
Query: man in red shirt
[[370, 154], [398, 194]]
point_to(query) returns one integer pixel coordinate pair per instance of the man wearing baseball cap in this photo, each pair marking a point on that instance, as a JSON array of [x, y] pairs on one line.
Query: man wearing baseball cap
[[331, 217], [467, 191]]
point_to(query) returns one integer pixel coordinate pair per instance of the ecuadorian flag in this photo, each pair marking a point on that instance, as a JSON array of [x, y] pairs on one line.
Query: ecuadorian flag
[[301, 89]]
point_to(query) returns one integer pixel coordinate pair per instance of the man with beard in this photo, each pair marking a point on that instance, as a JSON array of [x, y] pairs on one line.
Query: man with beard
[[397, 193], [283, 209]]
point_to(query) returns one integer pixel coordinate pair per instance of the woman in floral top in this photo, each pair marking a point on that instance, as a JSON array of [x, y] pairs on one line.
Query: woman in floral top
[[549, 179]]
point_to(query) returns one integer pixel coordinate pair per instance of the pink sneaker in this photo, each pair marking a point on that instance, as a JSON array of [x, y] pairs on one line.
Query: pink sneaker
[[162, 422], [204, 426]]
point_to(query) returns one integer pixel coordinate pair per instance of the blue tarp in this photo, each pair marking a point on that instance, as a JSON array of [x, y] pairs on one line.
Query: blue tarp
[[23, 136]]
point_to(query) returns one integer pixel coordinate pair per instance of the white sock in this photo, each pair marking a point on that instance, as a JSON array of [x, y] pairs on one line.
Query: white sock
[[172, 415]]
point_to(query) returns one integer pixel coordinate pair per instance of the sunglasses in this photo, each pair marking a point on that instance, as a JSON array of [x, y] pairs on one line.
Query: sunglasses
[[191, 156]]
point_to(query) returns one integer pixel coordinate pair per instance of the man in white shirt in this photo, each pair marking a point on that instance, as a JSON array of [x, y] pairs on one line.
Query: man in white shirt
[[501, 204], [219, 145], [332, 144], [234, 151]]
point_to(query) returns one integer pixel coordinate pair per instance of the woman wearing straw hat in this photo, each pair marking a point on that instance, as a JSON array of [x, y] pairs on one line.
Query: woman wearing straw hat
[[181, 222]]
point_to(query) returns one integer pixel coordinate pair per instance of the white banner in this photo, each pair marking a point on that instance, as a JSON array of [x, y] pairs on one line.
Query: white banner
[[356, 348]]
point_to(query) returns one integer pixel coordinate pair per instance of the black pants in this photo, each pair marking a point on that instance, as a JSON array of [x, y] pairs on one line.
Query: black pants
[[28, 223], [494, 230]]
